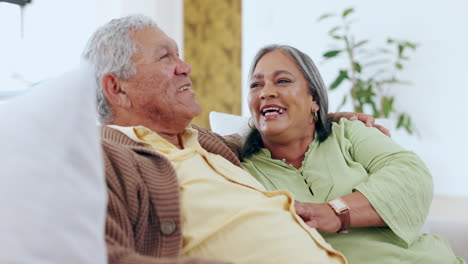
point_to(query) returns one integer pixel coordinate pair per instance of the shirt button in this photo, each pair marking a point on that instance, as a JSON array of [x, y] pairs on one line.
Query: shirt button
[[168, 227]]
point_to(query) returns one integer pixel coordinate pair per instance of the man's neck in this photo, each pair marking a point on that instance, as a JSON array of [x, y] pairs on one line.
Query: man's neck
[[171, 134], [176, 139]]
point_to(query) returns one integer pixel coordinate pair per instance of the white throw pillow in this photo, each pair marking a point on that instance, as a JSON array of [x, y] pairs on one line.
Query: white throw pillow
[[52, 191], [226, 124]]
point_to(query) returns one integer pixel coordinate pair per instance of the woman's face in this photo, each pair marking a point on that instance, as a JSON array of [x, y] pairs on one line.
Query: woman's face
[[279, 99]]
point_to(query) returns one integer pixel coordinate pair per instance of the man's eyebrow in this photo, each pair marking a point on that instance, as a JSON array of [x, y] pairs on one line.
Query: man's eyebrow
[[167, 47], [158, 49], [275, 73], [173, 45]]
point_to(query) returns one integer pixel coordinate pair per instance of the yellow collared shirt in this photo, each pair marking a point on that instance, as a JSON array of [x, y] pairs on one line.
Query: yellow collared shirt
[[227, 214]]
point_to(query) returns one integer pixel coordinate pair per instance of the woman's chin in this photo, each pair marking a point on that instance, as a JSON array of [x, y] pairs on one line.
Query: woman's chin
[[268, 131]]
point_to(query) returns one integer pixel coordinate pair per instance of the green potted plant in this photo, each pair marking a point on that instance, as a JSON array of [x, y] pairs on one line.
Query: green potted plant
[[368, 73]]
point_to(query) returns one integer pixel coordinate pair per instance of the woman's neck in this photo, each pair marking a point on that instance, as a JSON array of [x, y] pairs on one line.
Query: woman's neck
[[292, 151]]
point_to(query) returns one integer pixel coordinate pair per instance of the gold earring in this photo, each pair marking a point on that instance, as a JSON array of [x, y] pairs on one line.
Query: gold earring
[[315, 117]]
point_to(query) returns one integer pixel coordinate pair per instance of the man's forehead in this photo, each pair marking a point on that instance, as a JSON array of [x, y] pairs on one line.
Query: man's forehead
[[155, 37]]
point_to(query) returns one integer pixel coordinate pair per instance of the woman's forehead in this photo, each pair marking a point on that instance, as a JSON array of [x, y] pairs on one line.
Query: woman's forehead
[[274, 62]]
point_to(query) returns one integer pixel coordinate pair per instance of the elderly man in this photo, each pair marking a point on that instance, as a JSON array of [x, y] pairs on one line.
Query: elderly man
[[177, 192]]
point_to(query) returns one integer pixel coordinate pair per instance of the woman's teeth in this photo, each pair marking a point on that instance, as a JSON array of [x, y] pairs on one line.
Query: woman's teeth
[[272, 111]]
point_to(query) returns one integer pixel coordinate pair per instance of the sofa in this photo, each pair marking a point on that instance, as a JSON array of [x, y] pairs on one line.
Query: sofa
[[53, 194]]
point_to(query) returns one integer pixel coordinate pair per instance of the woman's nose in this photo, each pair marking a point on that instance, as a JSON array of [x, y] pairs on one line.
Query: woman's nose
[[268, 91]]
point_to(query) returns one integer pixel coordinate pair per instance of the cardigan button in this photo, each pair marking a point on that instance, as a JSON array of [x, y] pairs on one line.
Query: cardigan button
[[168, 227]]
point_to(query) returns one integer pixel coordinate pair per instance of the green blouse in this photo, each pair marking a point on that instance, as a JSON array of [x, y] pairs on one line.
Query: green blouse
[[395, 181]]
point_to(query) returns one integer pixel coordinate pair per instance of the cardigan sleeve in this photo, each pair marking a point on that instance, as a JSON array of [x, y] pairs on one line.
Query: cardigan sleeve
[[399, 186]]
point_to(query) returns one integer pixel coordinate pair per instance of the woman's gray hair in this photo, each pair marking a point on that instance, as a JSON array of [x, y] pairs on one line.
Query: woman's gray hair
[[316, 87], [109, 50]]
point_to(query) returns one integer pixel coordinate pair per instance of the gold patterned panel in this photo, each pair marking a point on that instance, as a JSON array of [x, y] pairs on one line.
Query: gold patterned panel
[[212, 45]]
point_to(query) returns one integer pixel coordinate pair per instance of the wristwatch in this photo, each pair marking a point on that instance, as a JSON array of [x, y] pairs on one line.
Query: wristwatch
[[341, 209]]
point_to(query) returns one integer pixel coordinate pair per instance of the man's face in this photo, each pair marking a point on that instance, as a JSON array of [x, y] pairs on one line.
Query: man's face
[[160, 92]]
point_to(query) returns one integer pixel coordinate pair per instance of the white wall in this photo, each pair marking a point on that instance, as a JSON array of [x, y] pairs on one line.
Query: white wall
[[55, 33], [438, 94], [168, 14], [52, 40]]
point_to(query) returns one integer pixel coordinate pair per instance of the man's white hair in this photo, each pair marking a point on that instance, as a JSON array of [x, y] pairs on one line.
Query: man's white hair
[[109, 50]]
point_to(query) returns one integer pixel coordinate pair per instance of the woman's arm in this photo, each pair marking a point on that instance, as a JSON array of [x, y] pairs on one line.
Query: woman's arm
[[324, 218], [396, 193]]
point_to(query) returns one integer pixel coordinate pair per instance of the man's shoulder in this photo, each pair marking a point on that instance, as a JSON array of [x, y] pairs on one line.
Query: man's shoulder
[[122, 154], [227, 146], [119, 147], [110, 134], [111, 137], [203, 132]]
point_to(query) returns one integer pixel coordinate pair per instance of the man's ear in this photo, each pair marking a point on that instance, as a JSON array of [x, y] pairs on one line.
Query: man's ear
[[112, 88]]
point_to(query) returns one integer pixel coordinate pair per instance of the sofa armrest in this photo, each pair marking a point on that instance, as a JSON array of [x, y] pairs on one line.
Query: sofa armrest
[[454, 230], [448, 218]]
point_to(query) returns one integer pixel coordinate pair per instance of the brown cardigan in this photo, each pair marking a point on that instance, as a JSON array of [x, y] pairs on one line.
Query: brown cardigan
[[143, 222]]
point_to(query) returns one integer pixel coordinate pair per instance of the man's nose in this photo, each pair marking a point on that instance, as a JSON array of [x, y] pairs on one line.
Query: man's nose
[[183, 68]]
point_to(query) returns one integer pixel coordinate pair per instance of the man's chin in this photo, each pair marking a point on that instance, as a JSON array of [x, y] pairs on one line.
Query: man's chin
[[199, 108], [195, 110]]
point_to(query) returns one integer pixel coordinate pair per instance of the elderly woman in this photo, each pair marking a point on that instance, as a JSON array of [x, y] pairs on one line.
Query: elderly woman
[[367, 195]]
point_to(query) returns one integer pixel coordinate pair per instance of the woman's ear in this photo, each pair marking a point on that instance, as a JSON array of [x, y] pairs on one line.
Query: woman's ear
[[314, 107], [112, 88]]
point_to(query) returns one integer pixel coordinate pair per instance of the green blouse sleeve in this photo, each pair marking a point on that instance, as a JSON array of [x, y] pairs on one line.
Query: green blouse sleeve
[[399, 185]]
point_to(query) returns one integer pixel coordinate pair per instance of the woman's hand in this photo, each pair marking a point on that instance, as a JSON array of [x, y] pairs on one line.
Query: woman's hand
[[320, 216], [365, 118], [324, 218]]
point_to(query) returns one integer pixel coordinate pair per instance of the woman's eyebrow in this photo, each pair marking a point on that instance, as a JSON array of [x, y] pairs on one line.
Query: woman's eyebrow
[[275, 73], [257, 76], [278, 72]]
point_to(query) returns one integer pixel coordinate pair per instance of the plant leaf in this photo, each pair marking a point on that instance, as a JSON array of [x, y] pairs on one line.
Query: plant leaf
[[357, 67], [341, 76], [376, 62], [387, 105], [398, 65], [390, 41], [360, 43], [408, 126], [393, 80], [400, 50], [401, 119], [333, 30], [385, 51], [347, 11], [325, 16], [331, 53], [404, 120], [410, 45]]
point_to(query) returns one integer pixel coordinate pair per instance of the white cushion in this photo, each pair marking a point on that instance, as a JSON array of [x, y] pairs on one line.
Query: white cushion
[[226, 124], [52, 191]]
